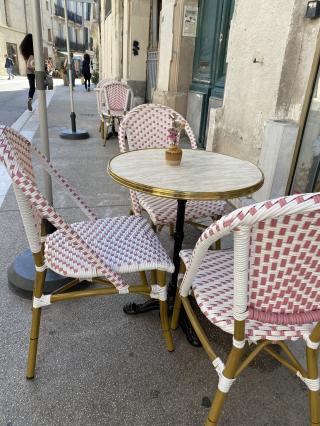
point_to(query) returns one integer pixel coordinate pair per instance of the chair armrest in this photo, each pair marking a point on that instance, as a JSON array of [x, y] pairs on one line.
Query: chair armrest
[[212, 234]]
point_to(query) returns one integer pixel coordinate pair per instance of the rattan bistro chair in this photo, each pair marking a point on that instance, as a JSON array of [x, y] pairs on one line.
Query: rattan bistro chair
[[266, 290], [98, 250], [146, 126], [100, 96], [117, 97]]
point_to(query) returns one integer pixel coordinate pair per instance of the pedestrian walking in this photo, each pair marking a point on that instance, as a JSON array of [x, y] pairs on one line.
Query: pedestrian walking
[[9, 66], [86, 71], [26, 49]]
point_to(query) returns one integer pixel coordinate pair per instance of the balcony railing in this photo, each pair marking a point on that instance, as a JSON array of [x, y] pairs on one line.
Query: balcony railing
[[61, 43], [59, 11]]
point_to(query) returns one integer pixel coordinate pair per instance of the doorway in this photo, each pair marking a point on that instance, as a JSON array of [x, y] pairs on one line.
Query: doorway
[[12, 51], [153, 49], [209, 63]]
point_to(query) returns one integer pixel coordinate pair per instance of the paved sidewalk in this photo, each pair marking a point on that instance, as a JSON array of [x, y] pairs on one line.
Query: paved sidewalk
[[97, 366], [27, 124]]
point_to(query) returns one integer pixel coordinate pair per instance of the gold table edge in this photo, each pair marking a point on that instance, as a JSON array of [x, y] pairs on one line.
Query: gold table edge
[[184, 195]]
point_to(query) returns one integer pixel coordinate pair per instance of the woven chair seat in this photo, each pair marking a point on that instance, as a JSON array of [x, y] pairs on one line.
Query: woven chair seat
[[213, 290], [126, 244], [164, 210]]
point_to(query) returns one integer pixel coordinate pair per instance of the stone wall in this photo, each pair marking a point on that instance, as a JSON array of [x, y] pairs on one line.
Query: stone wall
[[128, 21], [271, 49], [15, 23], [136, 28], [175, 57]]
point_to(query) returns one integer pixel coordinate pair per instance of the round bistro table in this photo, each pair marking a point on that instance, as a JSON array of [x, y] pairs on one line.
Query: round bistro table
[[202, 175]]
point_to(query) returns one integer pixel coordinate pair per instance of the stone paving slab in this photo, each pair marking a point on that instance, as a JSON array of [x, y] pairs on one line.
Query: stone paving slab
[[97, 366]]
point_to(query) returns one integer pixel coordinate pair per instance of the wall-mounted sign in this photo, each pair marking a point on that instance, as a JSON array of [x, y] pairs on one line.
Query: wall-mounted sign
[[190, 21]]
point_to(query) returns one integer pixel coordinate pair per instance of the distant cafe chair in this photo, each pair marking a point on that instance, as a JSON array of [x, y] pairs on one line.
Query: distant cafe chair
[[118, 97]]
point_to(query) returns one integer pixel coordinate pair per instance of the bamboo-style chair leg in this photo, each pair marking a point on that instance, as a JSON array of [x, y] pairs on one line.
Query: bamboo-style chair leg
[[220, 397], [105, 136], [314, 396], [143, 278], [35, 325], [102, 129], [176, 311], [177, 301], [161, 280]]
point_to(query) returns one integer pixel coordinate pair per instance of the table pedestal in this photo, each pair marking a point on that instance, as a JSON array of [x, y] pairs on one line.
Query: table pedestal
[[152, 304]]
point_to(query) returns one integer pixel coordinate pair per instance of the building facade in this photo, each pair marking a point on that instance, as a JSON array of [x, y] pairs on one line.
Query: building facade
[[15, 23], [125, 28], [243, 72], [79, 16]]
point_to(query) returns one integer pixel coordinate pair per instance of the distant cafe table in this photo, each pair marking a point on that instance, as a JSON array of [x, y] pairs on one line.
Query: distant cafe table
[[202, 175]]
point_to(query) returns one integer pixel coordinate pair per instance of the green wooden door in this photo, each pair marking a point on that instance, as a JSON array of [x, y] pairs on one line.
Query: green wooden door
[[220, 57], [205, 41], [209, 65]]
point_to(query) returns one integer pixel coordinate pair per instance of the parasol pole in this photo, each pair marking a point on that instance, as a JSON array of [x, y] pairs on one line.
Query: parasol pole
[[73, 133], [72, 114]]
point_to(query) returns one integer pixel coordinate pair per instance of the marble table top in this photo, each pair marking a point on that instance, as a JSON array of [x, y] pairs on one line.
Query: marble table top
[[202, 175]]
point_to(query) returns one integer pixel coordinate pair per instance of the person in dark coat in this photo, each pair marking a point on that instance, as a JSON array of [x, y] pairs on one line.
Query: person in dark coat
[[26, 49], [9, 66], [86, 71]]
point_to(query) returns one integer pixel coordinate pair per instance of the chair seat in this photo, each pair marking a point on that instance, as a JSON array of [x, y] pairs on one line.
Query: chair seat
[[164, 210], [126, 244], [213, 291]]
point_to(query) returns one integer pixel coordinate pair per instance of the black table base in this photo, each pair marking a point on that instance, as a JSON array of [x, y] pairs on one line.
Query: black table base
[[151, 305]]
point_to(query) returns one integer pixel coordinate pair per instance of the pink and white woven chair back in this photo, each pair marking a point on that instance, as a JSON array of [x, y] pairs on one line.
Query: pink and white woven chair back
[[117, 96], [100, 100], [103, 82], [100, 95], [15, 153], [276, 259], [284, 269], [147, 125]]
